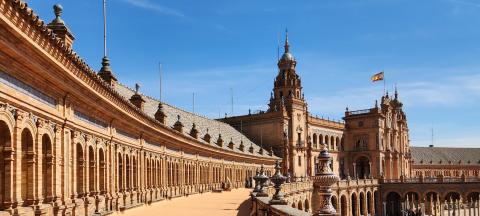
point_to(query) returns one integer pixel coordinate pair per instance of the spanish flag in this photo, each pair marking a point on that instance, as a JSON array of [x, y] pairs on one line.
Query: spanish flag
[[377, 77]]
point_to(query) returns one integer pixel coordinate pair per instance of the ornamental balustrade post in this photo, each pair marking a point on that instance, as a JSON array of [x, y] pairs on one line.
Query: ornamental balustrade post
[[278, 179], [323, 182], [262, 179], [257, 182]]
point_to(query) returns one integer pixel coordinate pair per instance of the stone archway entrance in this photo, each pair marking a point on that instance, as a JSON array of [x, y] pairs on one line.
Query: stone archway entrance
[[393, 204]]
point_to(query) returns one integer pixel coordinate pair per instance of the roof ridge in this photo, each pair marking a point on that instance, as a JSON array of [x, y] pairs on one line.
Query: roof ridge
[[163, 102]]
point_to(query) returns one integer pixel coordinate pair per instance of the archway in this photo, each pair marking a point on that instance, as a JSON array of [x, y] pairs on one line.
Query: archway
[[370, 204], [47, 159], [362, 203], [412, 201], [452, 196], [127, 172], [353, 202], [5, 174], [432, 203], [306, 205], [120, 172], [134, 172], [335, 203], [362, 167], [101, 157], [27, 174], [300, 205], [376, 201], [343, 206], [91, 170], [79, 169], [474, 196], [393, 204]]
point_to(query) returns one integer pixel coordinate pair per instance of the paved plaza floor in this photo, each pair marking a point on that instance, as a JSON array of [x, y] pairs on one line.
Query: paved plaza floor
[[231, 203]]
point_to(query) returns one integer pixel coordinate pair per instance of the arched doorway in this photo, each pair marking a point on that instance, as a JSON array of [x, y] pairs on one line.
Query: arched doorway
[[47, 159], [370, 204], [80, 171], [474, 196], [376, 201], [412, 202], [362, 167], [362, 203], [127, 172], [101, 157], [27, 174], [5, 173], [343, 206], [393, 204], [452, 196], [91, 170], [335, 203], [353, 202], [120, 172], [306, 205], [432, 204]]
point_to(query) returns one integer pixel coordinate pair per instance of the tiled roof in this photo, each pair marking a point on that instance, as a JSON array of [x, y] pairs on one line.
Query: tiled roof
[[445, 156], [203, 124]]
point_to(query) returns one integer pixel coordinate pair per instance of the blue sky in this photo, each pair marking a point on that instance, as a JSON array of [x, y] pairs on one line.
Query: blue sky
[[430, 48]]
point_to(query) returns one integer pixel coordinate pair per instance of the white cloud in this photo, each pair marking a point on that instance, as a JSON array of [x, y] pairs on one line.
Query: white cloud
[[146, 4]]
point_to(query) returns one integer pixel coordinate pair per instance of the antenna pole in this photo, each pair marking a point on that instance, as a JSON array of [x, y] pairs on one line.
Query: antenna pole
[[432, 136], [160, 79], [193, 102], [105, 28], [231, 93]]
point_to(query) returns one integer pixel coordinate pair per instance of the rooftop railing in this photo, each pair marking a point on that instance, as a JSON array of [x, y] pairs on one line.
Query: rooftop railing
[[429, 180], [359, 112]]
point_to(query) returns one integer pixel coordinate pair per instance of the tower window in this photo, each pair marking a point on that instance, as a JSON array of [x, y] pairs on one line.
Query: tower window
[[281, 94], [299, 160]]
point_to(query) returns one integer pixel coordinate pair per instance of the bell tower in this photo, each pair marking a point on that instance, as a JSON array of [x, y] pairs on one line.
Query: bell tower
[[287, 85], [287, 97]]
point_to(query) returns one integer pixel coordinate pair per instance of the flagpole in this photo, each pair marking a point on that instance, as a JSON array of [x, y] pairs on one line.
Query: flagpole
[[384, 83]]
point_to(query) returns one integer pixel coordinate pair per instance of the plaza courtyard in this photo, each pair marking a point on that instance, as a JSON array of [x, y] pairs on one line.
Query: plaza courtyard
[[230, 203]]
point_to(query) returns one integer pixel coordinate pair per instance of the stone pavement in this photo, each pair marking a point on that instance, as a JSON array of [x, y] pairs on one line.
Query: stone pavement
[[232, 203]]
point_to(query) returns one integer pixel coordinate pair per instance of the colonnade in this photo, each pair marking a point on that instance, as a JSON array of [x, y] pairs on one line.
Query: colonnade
[[55, 169]]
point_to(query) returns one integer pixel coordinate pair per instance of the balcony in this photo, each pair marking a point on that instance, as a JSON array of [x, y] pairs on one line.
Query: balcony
[[300, 144]]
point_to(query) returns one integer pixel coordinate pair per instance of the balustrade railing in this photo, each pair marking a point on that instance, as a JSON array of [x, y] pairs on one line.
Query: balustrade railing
[[439, 179]]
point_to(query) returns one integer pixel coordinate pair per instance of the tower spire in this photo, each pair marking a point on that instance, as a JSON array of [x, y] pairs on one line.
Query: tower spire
[[286, 46], [396, 91]]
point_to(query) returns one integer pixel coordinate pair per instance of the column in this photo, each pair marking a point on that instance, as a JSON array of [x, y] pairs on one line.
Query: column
[[354, 170]]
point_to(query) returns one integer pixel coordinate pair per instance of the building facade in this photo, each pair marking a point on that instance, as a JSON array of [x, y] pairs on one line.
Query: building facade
[[75, 141]]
